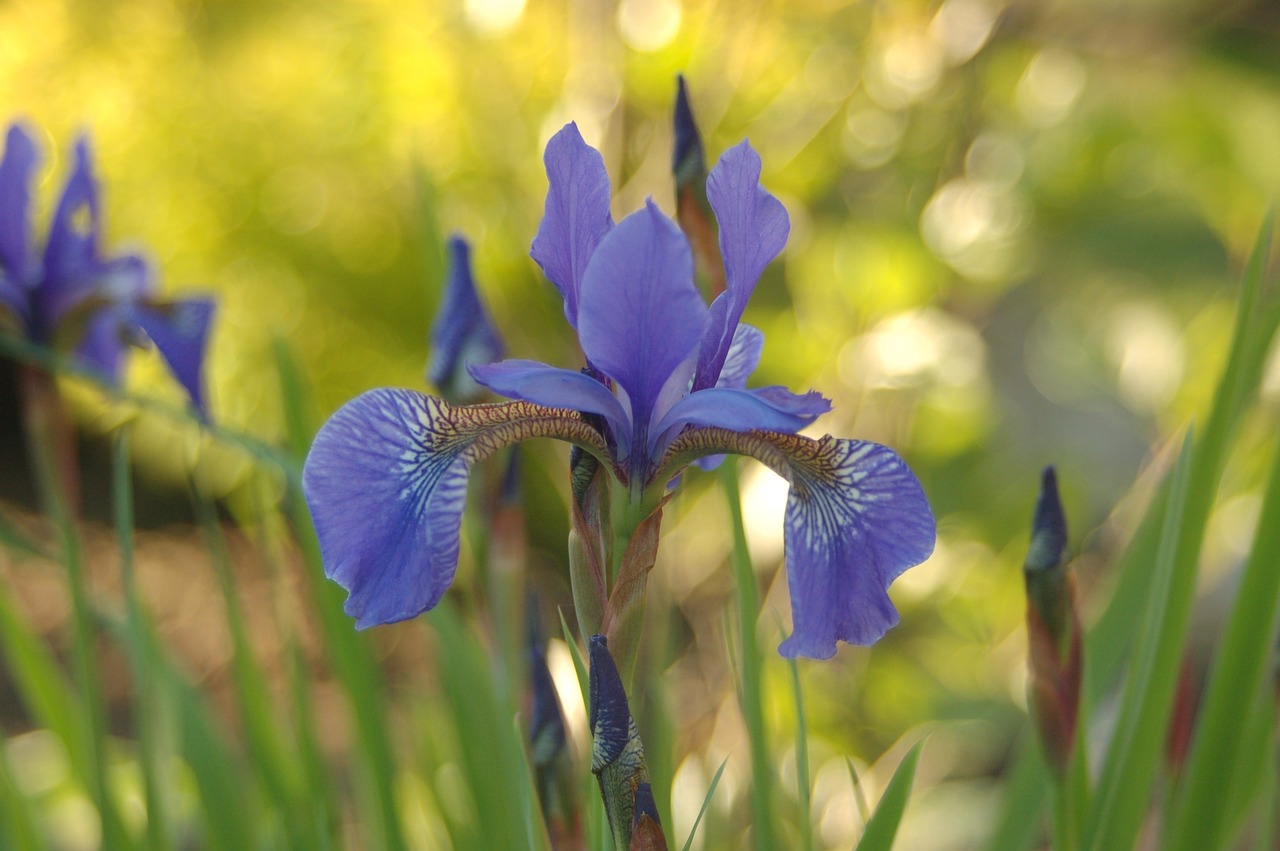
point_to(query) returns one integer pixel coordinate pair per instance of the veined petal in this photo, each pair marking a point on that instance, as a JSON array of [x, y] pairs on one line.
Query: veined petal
[[15, 230], [856, 519], [180, 330], [576, 217], [753, 229], [640, 315], [552, 386], [743, 356], [462, 333], [386, 484]]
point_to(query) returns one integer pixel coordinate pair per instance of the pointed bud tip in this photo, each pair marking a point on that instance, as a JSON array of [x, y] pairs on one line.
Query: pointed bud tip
[[687, 157], [1048, 527]]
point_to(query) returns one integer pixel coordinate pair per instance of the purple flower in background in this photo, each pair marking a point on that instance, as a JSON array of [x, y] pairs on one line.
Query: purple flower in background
[[665, 386], [72, 296], [463, 334]]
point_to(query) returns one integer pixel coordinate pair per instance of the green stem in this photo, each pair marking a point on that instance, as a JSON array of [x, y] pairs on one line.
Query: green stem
[[748, 605], [52, 448], [147, 716]]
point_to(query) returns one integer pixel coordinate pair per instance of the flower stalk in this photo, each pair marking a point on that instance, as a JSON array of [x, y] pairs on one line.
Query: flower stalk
[[1055, 661]]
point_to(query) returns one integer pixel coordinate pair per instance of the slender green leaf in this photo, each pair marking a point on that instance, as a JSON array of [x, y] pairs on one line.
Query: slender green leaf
[[802, 760], [1137, 745], [750, 686], [883, 826], [706, 802], [1241, 667], [19, 826], [148, 727]]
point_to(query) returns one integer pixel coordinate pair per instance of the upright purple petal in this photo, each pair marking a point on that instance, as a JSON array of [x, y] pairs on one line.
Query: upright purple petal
[[462, 333], [386, 483], [856, 519], [102, 342], [180, 331], [71, 253], [641, 316], [753, 229], [577, 214], [15, 220], [742, 358]]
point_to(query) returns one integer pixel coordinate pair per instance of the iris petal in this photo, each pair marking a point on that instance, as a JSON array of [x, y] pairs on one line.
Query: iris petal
[[743, 357], [576, 217], [856, 519], [15, 235], [753, 229], [552, 386], [71, 252], [180, 331], [641, 315], [386, 484], [765, 408], [462, 333]]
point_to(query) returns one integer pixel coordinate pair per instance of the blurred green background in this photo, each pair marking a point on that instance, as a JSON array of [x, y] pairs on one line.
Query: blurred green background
[[1016, 229]]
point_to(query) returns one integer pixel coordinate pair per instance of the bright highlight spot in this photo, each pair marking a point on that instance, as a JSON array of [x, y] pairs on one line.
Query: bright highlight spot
[[494, 16], [649, 25]]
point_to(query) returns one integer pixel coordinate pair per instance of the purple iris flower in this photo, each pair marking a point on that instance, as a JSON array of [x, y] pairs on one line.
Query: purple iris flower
[[665, 386], [73, 296]]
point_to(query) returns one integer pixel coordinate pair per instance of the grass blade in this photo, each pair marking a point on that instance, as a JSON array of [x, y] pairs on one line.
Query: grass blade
[[1240, 668], [883, 826], [802, 760], [1136, 748], [706, 802], [750, 697]]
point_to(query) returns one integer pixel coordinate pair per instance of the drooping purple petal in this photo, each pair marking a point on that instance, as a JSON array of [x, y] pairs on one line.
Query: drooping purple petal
[[536, 382], [856, 519], [15, 220], [753, 229], [462, 333], [640, 315], [386, 483], [180, 331], [576, 217]]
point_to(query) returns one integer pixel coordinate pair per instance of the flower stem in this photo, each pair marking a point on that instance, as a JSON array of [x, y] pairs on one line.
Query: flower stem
[[748, 604], [51, 447]]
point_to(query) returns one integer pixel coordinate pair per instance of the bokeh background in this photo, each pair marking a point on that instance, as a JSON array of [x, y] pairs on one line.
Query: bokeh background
[[1016, 228]]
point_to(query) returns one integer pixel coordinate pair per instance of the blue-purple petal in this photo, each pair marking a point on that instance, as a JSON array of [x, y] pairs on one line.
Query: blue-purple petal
[[764, 409], [753, 229], [641, 316], [71, 253], [15, 220], [180, 331], [742, 358], [856, 519], [462, 333], [531, 381], [387, 509], [576, 217]]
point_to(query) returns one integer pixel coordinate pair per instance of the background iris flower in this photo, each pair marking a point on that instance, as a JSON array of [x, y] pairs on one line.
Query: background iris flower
[[72, 297], [664, 387]]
